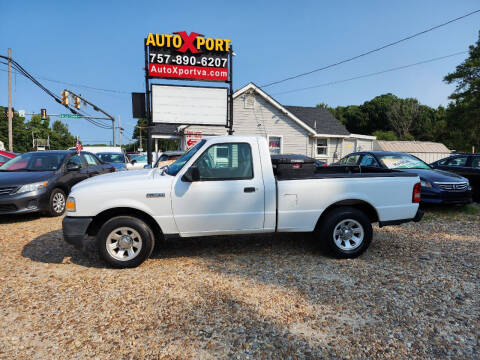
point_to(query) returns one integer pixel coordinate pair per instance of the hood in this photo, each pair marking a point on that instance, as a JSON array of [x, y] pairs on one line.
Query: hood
[[16, 178], [122, 180], [433, 175]]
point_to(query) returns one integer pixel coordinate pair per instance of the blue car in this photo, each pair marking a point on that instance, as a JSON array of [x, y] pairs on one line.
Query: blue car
[[117, 159], [438, 186]]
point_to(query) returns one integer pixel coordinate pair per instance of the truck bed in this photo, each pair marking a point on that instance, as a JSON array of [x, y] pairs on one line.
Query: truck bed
[[346, 171]]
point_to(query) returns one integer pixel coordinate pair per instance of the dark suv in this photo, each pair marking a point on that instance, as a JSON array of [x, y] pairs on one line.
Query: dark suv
[[40, 181]]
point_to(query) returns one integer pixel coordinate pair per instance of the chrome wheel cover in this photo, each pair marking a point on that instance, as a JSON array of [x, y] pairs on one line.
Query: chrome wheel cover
[[348, 234], [124, 243], [58, 202]]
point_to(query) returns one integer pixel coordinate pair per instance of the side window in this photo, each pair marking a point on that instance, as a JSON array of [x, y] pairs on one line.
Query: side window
[[90, 159], [368, 160], [76, 159], [476, 162], [457, 161], [352, 160], [226, 162], [4, 158], [443, 162]]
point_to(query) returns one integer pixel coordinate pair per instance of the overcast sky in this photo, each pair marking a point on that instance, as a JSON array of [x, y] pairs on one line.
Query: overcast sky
[[100, 44]]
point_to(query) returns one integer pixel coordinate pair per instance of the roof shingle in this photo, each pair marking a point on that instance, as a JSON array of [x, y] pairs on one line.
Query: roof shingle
[[321, 120]]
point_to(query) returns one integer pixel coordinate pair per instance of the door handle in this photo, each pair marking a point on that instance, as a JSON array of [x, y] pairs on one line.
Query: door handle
[[249, 189]]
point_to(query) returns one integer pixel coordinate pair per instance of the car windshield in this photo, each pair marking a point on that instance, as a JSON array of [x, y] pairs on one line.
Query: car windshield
[[35, 161], [139, 158], [402, 161], [112, 158], [174, 168]]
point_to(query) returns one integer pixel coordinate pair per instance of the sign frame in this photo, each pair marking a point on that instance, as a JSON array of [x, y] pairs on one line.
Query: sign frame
[[148, 109]]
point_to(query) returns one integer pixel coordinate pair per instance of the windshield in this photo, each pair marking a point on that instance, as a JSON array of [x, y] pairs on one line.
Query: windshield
[[402, 161], [36, 161], [112, 158], [139, 158], [174, 168]]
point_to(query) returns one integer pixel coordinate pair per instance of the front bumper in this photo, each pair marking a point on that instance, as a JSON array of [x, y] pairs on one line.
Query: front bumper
[[438, 196], [75, 229], [24, 203]]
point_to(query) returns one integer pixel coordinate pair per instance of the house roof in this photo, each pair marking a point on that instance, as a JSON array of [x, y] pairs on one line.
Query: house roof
[[411, 146], [321, 120]]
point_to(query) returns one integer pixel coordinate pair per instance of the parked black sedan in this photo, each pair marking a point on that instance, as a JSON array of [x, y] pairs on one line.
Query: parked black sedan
[[40, 181], [438, 187], [466, 165]]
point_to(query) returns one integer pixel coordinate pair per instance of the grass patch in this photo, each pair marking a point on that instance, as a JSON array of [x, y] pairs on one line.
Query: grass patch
[[451, 211]]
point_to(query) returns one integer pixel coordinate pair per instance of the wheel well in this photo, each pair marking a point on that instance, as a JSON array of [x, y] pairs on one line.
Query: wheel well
[[104, 216], [361, 205]]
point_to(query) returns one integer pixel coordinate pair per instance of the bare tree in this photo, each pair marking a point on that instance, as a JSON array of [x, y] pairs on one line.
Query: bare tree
[[402, 114]]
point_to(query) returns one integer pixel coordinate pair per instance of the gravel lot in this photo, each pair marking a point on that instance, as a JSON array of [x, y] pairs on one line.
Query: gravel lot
[[413, 294]]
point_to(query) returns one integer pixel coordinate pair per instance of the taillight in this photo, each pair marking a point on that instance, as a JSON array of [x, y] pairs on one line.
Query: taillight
[[416, 193]]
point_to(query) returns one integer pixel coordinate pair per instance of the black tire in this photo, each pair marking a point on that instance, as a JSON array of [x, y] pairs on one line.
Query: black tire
[[56, 206], [350, 248], [139, 231]]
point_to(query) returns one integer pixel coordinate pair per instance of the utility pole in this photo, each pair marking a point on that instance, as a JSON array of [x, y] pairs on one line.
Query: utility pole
[[120, 131], [10, 115], [114, 130]]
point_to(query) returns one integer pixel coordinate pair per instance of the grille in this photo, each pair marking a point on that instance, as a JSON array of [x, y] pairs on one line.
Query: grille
[[7, 207], [453, 186], [7, 190]]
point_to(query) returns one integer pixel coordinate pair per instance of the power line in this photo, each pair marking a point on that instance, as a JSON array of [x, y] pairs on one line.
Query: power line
[[370, 51], [72, 84], [371, 74], [23, 72]]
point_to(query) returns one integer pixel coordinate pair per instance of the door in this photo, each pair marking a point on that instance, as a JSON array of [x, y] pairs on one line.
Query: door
[[456, 164], [228, 198], [73, 177], [94, 167]]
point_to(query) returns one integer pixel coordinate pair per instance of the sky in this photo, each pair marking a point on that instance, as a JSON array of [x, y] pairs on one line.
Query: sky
[[100, 44]]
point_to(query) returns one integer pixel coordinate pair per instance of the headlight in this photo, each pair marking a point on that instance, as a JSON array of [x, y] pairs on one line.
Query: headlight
[[70, 204], [425, 184], [32, 187]]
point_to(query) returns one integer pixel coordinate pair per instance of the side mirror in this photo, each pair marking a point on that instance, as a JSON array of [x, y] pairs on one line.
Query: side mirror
[[133, 162], [73, 167], [192, 174]]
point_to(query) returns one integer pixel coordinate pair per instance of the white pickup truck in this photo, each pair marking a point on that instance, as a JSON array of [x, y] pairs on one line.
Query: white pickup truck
[[202, 194]]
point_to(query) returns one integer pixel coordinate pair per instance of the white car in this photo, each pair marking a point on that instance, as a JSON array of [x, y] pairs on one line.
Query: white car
[[234, 191], [139, 161]]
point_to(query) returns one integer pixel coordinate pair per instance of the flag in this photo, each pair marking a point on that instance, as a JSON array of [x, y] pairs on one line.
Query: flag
[[78, 146]]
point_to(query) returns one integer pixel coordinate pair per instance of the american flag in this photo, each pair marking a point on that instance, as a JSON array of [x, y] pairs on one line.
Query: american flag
[[78, 146]]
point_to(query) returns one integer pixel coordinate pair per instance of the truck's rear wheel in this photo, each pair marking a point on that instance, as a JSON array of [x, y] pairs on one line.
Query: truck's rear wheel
[[346, 232], [125, 241]]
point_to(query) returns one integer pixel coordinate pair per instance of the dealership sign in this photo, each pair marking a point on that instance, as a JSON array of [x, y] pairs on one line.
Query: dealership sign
[[192, 138], [187, 56]]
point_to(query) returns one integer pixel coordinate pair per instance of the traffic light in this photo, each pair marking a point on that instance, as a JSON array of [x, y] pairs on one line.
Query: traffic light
[[65, 95], [76, 102], [44, 114]]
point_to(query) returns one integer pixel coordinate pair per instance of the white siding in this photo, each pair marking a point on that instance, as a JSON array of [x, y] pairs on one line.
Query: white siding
[[263, 120]]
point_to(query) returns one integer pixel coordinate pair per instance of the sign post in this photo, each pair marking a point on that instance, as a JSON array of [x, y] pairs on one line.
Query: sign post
[[194, 57]]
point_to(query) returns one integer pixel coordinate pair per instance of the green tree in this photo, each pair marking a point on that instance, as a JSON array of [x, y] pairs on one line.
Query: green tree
[[402, 115], [385, 135], [463, 113], [19, 136]]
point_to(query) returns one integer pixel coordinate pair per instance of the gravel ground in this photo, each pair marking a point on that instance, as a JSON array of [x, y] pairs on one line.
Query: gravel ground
[[413, 294]]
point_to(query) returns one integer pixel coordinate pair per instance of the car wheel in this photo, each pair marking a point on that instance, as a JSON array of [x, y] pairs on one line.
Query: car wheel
[[56, 205], [346, 232], [125, 241]]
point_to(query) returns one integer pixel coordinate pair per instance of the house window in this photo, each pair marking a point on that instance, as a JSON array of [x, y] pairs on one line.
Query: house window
[[322, 148], [275, 144]]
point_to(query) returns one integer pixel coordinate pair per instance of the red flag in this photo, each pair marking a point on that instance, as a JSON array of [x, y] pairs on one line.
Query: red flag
[[78, 146]]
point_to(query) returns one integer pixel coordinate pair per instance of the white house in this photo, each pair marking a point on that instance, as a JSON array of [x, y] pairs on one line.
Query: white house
[[310, 131]]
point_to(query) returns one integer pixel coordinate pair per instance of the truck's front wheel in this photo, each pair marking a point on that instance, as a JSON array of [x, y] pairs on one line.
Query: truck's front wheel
[[346, 232], [125, 241]]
